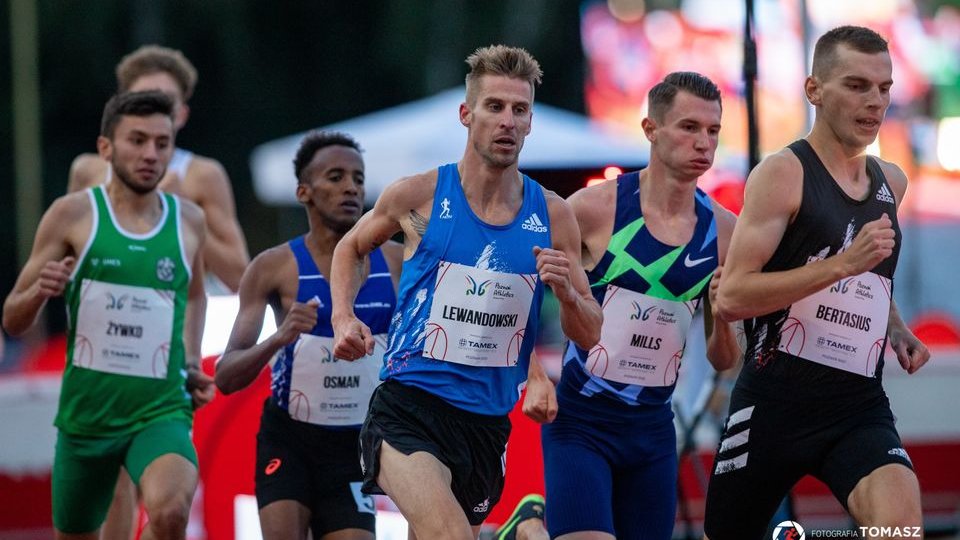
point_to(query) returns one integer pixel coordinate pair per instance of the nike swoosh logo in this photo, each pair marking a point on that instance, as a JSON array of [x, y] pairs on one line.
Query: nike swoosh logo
[[690, 263]]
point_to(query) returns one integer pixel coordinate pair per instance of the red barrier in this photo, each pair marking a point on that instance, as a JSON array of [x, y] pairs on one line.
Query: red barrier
[[225, 433]]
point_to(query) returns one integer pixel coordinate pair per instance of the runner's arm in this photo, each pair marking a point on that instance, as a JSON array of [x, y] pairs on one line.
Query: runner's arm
[[560, 268], [592, 208], [911, 352], [244, 358], [723, 347], [195, 316], [352, 338], [225, 251], [540, 400], [199, 384], [773, 194], [48, 268]]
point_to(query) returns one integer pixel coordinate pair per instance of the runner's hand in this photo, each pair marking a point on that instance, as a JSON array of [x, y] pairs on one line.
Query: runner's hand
[[874, 243], [352, 339], [911, 352], [299, 320], [54, 277], [200, 386], [554, 269], [540, 400]]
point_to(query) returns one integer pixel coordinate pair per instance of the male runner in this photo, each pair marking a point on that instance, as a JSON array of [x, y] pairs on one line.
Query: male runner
[[612, 449], [479, 238], [199, 179], [125, 256], [811, 264], [308, 475]]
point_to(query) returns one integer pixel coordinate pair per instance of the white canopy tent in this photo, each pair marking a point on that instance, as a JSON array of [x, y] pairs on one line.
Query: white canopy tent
[[417, 136]]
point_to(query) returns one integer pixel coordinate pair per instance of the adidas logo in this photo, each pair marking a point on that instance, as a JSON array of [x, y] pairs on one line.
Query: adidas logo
[[899, 452], [482, 507], [533, 223], [884, 195]]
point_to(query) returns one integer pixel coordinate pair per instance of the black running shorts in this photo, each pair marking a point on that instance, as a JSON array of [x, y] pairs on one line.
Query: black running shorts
[[315, 466], [769, 444], [471, 445]]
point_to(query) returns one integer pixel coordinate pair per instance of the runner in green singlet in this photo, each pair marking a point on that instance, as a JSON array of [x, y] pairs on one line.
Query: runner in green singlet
[[125, 257]]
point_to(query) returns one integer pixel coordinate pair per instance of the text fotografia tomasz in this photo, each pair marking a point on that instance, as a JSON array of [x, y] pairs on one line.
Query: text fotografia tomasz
[[868, 532]]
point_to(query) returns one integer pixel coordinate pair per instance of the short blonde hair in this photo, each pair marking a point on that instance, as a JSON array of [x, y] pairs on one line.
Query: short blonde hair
[[512, 62], [151, 59]]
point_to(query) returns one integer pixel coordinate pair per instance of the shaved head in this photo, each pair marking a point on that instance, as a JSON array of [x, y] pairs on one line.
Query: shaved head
[[858, 38]]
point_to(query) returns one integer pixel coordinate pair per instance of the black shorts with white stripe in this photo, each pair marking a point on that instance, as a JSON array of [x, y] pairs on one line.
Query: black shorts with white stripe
[[768, 445]]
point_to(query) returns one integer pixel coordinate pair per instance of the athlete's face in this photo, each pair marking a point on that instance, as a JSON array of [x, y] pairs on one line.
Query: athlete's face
[[164, 82], [853, 96], [499, 119], [140, 150], [685, 139], [333, 187]]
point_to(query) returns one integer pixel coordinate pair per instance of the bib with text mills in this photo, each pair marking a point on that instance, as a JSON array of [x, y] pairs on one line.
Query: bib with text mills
[[649, 292], [833, 340], [307, 380], [125, 303], [470, 301]]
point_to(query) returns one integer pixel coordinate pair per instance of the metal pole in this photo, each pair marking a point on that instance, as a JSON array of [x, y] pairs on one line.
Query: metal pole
[[805, 36], [749, 80], [27, 159]]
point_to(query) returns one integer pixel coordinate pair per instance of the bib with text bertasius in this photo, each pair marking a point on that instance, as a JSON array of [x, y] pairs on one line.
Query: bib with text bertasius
[[124, 329], [328, 391], [642, 338], [843, 326], [478, 316]]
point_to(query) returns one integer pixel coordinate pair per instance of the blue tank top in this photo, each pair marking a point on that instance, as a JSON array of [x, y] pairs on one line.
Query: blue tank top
[[638, 262], [434, 337], [374, 306]]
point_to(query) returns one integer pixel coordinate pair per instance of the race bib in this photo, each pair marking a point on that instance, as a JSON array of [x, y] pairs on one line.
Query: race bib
[[478, 317], [328, 391], [123, 329], [642, 338], [843, 326]]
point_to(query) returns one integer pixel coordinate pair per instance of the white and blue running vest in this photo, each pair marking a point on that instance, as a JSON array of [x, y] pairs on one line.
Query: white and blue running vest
[[335, 387]]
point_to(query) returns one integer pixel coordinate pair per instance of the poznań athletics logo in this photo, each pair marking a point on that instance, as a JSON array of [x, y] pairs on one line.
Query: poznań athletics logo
[[841, 286], [642, 314], [475, 288], [116, 303]]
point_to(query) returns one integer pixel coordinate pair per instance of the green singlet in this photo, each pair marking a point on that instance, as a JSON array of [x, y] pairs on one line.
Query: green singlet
[[125, 305]]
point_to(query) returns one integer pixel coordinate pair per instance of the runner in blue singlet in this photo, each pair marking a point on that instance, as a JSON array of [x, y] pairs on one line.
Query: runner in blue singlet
[[652, 263], [480, 240], [308, 476]]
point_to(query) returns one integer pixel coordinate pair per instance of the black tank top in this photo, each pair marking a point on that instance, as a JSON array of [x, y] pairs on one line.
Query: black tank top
[[825, 225]]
